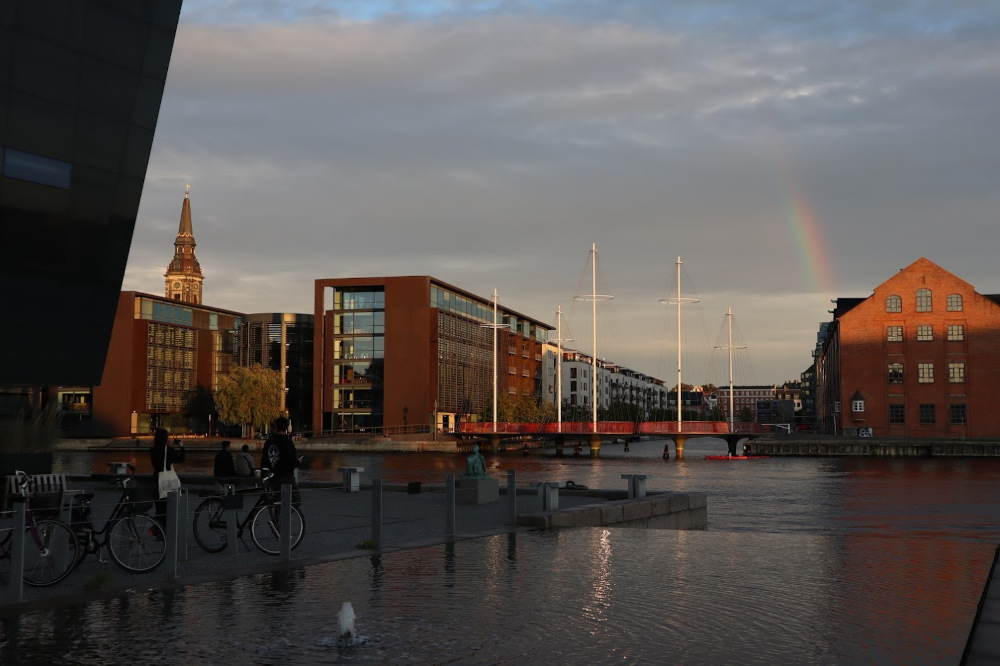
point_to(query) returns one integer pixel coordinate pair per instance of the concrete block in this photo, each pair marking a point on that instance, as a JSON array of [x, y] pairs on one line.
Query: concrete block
[[659, 504], [561, 519], [611, 513], [697, 500], [587, 516], [533, 520], [639, 509], [477, 491], [680, 502]]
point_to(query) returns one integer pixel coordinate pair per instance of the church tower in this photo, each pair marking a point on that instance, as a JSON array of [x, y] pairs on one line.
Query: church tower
[[183, 276]]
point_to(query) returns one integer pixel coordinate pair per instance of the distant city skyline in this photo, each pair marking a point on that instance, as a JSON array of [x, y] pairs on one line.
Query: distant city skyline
[[788, 156]]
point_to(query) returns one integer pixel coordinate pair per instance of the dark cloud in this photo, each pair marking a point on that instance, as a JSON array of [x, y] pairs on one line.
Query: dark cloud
[[490, 143]]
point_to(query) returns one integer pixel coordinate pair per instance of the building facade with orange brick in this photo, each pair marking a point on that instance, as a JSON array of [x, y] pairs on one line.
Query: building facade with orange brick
[[409, 352], [920, 357]]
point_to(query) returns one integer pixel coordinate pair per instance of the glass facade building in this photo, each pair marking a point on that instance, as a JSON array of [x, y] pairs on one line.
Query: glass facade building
[[80, 88], [283, 342]]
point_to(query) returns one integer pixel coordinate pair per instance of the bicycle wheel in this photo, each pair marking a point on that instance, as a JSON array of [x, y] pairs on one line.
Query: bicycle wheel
[[210, 526], [52, 556], [137, 543], [264, 528]]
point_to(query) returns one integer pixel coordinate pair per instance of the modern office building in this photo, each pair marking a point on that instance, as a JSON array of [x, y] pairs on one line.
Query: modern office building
[[400, 352], [283, 342], [80, 89], [164, 361], [920, 357]]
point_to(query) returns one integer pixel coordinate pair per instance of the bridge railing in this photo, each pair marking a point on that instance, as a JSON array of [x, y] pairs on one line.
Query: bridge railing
[[606, 428]]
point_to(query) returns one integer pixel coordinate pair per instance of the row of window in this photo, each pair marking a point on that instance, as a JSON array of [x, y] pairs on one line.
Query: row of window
[[957, 414], [925, 333], [925, 373], [924, 302]]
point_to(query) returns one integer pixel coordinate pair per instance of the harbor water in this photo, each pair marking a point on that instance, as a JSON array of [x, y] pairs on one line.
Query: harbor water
[[805, 560]]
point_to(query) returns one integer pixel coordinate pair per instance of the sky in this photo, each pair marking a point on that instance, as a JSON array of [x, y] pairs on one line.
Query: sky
[[789, 153]]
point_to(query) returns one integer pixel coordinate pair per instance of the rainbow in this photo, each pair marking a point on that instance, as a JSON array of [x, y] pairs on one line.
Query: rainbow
[[805, 227]]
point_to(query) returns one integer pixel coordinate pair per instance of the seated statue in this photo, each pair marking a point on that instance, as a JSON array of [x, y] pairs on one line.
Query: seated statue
[[475, 465]]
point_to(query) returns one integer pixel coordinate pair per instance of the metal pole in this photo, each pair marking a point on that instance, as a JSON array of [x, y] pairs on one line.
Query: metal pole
[[20, 527], [377, 512], [678, 344], [511, 497], [232, 540], [449, 506], [285, 526], [183, 502], [593, 307], [171, 536], [494, 360]]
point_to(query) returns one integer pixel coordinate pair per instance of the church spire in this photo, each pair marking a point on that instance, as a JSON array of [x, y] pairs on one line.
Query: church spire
[[183, 276]]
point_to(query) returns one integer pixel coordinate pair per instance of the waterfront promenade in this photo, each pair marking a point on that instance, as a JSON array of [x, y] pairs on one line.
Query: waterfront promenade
[[338, 524]]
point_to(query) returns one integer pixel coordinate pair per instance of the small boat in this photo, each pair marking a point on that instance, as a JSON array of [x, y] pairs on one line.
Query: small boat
[[733, 457]]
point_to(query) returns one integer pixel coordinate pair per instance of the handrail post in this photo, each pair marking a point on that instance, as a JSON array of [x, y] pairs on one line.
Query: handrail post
[[173, 521], [511, 497], [20, 527], [449, 506], [285, 526], [377, 512]]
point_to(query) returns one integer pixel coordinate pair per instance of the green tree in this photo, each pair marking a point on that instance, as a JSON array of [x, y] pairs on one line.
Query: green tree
[[745, 415], [249, 397]]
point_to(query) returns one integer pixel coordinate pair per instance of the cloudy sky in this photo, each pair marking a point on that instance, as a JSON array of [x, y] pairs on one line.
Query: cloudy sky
[[788, 152]]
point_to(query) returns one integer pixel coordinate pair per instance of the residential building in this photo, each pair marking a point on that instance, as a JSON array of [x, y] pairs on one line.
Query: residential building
[[395, 352], [283, 342], [80, 90], [920, 357], [615, 385], [744, 397]]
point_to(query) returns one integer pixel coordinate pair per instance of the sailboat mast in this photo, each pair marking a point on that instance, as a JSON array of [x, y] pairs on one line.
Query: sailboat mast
[[495, 326], [593, 304], [729, 317], [678, 344], [559, 367]]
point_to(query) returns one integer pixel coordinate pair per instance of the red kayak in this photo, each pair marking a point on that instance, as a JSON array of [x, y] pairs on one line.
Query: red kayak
[[732, 457]]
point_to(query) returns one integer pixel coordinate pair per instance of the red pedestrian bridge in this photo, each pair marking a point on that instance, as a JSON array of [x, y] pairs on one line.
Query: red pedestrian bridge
[[596, 433]]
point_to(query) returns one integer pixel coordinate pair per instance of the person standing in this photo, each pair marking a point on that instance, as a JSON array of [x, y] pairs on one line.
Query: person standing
[[163, 456], [280, 458], [224, 469]]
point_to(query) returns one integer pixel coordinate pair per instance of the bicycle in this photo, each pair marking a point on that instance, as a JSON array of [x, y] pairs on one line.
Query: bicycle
[[135, 541], [50, 547], [263, 521]]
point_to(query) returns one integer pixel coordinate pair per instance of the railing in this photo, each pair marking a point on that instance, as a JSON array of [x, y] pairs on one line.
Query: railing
[[606, 428]]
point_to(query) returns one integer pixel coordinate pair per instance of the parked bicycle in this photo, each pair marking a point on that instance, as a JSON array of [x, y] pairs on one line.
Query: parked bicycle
[[211, 526], [50, 547], [135, 541]]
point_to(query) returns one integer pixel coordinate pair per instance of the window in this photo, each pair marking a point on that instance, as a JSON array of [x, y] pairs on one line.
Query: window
[[956, 332], [923, 300], [925, 332], [956, 373], [857, 406], [927, 413], [925, 373], [897, 414], [895, 373], [954, 302], [957, 413], [572, 373], [894, 304], [894, 333]]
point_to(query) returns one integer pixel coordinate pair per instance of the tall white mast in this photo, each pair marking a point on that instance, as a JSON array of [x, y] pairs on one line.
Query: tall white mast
[[731, 347], [495, 325], [559, 340], [679, 301], [593, 304]]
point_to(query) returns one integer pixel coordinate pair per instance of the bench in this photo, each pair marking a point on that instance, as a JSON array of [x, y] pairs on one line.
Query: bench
[[50, 489], [636, 485], [352, 478]]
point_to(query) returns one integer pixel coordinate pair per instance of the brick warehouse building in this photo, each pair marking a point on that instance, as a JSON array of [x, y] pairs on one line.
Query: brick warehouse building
[[920, 357], [393, 352]]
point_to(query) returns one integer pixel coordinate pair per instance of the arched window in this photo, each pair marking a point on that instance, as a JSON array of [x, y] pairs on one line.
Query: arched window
[[954, 302], [893, 304], [923, 300]]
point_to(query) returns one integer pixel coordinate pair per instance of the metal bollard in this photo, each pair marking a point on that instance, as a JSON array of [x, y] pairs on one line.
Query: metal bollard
[[511, 497], [173, 520], [377, 512], [20, 528], [285, 536], [449, 506]]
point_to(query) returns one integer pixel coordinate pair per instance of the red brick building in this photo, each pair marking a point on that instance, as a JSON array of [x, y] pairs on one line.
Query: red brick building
[[920, 357], [409, 351]]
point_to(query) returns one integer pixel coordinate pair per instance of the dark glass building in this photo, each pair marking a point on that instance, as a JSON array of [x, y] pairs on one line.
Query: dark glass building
[[80, 89]]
